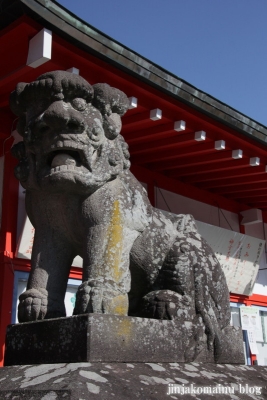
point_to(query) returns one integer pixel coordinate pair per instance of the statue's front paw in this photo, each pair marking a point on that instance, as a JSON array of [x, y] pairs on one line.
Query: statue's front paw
[[33, 305], [95, 297], [166, 304]]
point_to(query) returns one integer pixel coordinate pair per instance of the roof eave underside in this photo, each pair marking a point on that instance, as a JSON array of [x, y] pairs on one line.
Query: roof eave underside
[[88, 38]]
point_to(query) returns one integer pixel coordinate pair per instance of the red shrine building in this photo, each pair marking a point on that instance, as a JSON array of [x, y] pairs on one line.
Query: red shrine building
[[194, 155]]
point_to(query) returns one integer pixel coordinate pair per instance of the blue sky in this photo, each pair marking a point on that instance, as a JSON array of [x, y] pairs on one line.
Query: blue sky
[[219, 46]]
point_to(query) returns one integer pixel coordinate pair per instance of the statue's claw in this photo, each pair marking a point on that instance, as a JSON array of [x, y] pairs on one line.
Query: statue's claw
[[33, 305], [94, 297], [166, 304]]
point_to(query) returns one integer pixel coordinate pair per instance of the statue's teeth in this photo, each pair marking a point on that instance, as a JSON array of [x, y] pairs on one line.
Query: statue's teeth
[[63, 159]]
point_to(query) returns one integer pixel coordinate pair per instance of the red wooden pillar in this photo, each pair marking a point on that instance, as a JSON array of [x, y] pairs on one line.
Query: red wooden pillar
[[7, 246]]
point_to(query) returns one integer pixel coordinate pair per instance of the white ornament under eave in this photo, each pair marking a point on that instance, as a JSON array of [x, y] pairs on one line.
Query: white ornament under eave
[[40, 48]]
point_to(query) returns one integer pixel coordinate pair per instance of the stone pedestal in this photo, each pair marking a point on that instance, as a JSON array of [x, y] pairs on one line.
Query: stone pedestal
[[110, 338], [106, 356], [131, 381]]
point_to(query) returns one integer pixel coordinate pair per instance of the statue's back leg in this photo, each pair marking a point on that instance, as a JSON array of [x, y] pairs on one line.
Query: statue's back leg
[[191, 287], [173, 290]]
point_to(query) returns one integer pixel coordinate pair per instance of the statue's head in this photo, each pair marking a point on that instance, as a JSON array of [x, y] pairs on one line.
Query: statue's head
[[71, 133]]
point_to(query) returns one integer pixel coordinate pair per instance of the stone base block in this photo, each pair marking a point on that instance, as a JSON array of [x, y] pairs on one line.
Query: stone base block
[[110, 338], [131, 381]]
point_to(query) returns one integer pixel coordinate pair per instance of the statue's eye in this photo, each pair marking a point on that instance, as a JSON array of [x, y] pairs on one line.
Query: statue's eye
[[79, 104]]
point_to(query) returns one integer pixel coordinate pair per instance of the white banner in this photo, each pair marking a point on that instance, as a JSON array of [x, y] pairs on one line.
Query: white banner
[[238, 254]]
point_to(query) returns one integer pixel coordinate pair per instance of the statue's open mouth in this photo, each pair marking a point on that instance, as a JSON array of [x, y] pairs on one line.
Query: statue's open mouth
[[64, 160], [69, 158], [73, 165]]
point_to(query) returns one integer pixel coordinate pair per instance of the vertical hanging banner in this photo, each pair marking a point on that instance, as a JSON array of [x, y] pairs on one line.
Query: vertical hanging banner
[[238, 254]]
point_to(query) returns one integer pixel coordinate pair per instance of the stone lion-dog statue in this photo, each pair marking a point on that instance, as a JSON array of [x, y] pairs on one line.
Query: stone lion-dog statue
[[83, 200]]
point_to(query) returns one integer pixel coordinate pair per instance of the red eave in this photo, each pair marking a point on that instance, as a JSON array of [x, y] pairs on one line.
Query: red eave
[[154, 145]]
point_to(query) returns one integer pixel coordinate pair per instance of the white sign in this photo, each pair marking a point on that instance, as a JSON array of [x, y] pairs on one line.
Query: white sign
[[238, 254], [251, 322]]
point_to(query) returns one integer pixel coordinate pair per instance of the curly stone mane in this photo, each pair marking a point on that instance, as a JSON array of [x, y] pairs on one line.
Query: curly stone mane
[[60, 85]]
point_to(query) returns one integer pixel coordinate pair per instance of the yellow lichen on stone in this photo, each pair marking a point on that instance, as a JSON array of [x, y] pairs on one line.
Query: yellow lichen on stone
[[125, 329], [115, 243], [119, 305]]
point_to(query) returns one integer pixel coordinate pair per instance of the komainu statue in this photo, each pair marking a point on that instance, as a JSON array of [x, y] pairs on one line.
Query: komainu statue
[[83, 200]]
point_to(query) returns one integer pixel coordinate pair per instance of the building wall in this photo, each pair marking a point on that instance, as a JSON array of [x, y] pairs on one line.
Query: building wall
[[259, 231], [203, 212]]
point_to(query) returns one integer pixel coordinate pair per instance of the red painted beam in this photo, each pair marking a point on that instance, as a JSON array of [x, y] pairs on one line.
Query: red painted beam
[[171, 146], [248, 196], [76, 273], [245, 181], [242, 198], [253, 200], [227, 166], [138, 120], [222, 175], [164, 153], [241, 189], [258, 203], [256, 299], [11, 32], [14, 76], [153, 134]]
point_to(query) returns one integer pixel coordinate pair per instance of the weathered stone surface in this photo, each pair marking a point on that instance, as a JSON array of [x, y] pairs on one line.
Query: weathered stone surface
[[82, 200], [129, 381], [110, 338]]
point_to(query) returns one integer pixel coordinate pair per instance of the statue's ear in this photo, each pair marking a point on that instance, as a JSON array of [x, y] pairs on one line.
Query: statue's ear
[[109, 100], [112, 125], [21, 124], [118, 101], [15, 99], [18, 150]]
